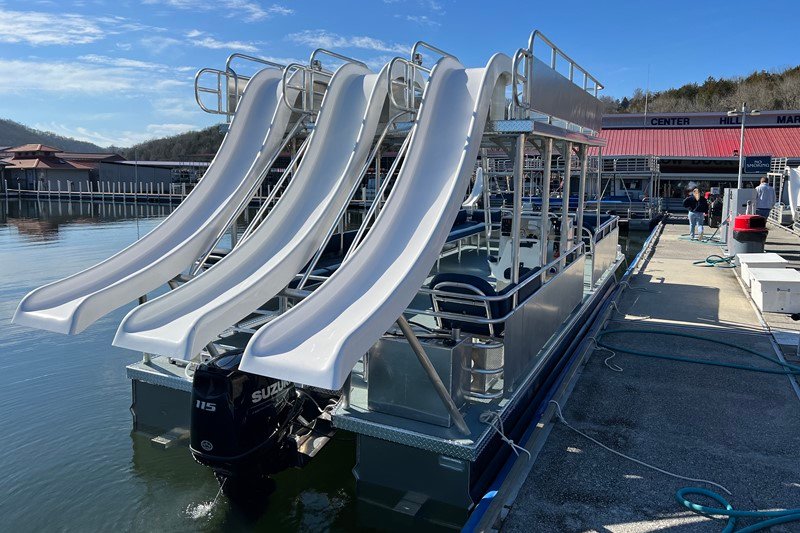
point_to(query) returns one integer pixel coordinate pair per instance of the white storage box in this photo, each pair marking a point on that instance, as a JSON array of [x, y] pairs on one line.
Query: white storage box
[[765, 260], [776, 290]]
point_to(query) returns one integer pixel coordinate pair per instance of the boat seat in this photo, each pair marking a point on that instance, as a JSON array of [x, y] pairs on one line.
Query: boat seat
[[474, 285], [590, 221]]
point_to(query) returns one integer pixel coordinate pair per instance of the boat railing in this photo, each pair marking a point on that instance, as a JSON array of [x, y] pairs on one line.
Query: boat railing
[[411, 81], [537, 87], [227, 97], [305, 79], [556, 265]]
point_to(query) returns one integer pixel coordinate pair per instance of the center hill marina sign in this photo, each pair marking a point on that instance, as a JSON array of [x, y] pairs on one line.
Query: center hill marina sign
[[700, 120]]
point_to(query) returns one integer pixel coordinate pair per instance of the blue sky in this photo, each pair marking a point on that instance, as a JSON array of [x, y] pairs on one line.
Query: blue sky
[[121, 71]]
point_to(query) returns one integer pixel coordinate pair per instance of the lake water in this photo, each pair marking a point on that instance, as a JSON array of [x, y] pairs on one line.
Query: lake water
[[68, 459]]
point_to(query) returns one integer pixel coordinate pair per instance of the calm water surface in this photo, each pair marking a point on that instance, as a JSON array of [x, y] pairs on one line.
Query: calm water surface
[[68, 459]]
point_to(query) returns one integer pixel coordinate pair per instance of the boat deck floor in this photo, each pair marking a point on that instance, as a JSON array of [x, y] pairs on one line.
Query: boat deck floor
[[737, 428]]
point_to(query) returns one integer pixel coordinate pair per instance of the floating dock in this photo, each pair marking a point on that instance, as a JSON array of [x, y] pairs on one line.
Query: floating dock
[[737, 428]]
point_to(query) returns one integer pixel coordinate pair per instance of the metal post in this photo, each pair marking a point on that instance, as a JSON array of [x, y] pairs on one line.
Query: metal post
[[564, 238], [741, 146], [441, 390], [599, 182], [547, 155], [487, 214], [516, 221], [584, 156]]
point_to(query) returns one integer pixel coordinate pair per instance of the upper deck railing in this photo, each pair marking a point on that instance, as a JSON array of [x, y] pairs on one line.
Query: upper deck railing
[[539, 88]]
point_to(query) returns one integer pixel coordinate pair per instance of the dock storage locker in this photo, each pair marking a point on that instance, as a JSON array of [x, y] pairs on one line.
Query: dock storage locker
[[763, 260], [776, 290]]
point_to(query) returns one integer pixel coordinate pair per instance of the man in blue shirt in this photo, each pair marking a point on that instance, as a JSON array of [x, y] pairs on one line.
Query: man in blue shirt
[[765, 198]]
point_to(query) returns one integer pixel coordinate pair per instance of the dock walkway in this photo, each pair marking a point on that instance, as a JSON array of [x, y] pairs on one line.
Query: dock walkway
[[738, 428]]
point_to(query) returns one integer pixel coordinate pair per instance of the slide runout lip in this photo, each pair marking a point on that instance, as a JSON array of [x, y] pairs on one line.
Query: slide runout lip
[[302, 347], [374, 89]]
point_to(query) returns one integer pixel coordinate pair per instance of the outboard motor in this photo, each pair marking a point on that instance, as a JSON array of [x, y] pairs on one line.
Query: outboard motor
[[242, 424]]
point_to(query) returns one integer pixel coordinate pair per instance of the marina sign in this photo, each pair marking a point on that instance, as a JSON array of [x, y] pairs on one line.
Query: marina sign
[[699, 120]]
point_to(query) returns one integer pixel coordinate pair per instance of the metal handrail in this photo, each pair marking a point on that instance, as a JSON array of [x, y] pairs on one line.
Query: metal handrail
[[500, 297], [517, 78], [274, 192], [221, 92], [409, 83], [555, 52], [526, 56], [308, 72], [245, 200], [218, 91], [345, 205], [236, 77], [378, 195], [411, 67], [323, 51], [436, 300], [416, 56]]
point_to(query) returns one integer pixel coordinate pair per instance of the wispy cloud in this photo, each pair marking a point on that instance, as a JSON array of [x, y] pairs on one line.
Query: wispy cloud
[[117, 138], [80, 77], [249, 10], [422, 20], [41, 29], [131, 63], [326, 39], [63, 29], [202, 39]]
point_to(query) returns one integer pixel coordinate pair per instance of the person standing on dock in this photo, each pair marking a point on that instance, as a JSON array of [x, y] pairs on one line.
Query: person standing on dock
[[698, 207], [765, 198]]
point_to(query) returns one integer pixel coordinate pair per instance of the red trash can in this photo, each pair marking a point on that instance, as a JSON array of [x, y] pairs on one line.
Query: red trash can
[[749, 235]]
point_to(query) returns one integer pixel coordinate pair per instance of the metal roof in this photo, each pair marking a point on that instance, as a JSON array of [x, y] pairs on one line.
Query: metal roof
[[33, 148], [702, 142]]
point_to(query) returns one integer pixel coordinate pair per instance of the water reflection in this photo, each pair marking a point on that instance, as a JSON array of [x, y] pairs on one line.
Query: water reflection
[[41, 219]]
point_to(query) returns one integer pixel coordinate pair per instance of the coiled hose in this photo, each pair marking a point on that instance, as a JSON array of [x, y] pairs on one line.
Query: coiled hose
[[715, 260]]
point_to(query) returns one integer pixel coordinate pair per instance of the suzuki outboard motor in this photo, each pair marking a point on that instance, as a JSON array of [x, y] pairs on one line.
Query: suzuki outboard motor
[[241, 423]]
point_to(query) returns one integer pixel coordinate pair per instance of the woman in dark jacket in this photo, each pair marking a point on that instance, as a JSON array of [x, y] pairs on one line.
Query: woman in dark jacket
[[698, 207]]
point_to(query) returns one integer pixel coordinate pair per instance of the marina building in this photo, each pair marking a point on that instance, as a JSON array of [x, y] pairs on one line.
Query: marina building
[[678, 149], [32, 166]]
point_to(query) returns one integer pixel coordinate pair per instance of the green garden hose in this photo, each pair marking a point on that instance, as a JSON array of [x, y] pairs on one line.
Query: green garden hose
[[715, 260], [768, 518]]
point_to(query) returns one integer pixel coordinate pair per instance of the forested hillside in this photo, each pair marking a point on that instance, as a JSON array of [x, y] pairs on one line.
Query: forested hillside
[[190, 146], [15, 134], [761, 90]]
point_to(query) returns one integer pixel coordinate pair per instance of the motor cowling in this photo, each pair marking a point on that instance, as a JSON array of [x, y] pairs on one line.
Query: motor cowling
[[240, 422]]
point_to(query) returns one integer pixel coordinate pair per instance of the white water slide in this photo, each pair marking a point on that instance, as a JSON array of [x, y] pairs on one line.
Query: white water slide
[[256, 134], [181, 322], [318, 341], [794, 190]]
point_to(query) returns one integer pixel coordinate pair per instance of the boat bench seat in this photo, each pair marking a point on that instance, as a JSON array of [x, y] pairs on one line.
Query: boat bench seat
[[463, 227], [459, 283]]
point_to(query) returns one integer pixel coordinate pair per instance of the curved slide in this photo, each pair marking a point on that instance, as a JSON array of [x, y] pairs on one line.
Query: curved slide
[[256, 133], [794, 190], [181, 322], [318, 341]]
